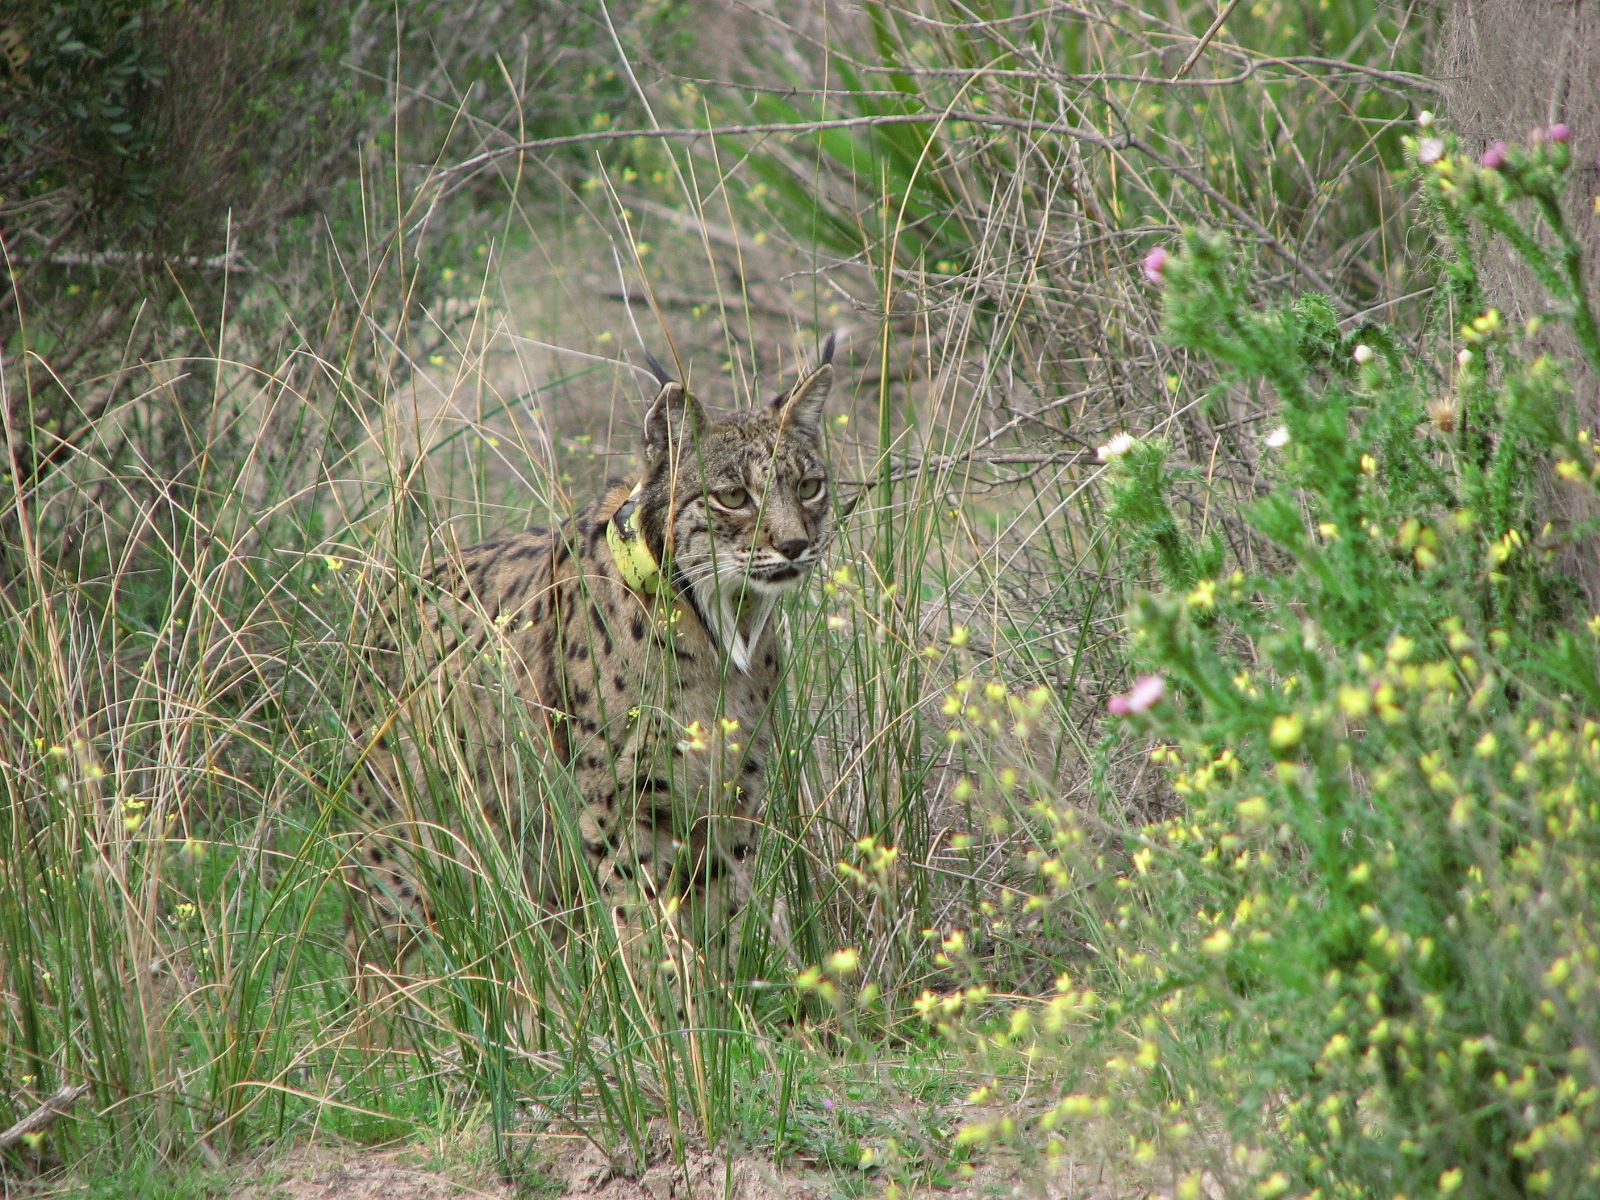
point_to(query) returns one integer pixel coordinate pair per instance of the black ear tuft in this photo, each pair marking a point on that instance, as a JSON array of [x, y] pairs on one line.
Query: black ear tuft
[[663, 376], [824, 359]]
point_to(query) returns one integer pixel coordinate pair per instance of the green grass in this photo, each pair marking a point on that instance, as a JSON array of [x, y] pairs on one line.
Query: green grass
[[181, 700]]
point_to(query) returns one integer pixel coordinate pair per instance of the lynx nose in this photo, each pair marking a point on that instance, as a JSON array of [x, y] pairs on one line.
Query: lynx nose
[[792, 548]]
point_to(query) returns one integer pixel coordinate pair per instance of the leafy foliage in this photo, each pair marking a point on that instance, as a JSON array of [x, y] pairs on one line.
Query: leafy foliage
[[80, 75], [1362, 959]]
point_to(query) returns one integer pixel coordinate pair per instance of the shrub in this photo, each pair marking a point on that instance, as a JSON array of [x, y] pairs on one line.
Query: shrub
[[1363, 960]]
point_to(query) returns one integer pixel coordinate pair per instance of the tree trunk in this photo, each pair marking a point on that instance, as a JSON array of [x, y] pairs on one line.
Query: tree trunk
[[1509, 67]]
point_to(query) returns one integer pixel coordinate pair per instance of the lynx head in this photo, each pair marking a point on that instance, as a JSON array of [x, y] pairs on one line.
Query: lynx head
[[738, 503]]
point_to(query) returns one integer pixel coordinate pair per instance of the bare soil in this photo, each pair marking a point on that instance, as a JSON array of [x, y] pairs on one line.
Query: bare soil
[[568, 1168], [345, 1173]]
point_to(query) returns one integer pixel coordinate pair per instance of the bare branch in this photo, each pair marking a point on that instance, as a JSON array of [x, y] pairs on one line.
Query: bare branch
[[46, 1115]]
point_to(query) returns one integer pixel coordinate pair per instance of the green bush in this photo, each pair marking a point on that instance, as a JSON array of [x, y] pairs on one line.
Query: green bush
[[1363, 960]]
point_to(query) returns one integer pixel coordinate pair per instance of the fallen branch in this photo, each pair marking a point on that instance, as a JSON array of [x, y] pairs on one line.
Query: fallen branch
[[452, 177], [145, 259], [46, 1115], [477, 162]]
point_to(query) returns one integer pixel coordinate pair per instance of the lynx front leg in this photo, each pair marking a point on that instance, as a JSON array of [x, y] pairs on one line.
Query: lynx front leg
[[735, 908], [637, 868], [674, 901], [387, 914]]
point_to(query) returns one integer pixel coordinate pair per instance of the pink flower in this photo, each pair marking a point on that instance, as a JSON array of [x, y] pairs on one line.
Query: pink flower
[[1495, 156], [1155, 264], [1430, 150], [1144, 694], [1558, 132]]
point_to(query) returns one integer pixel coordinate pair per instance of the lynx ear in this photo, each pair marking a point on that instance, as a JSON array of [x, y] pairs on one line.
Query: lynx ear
[[801, 406], [674, 417]]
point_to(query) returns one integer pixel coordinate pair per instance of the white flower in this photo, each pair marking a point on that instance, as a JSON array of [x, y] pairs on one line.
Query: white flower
[[1116, 447], [1464, 358], [1430, 150], [1425, 119], [1363, 354], [1279, 437]]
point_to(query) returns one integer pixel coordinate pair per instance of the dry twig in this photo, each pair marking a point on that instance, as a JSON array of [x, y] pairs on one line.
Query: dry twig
[[46, 1115]]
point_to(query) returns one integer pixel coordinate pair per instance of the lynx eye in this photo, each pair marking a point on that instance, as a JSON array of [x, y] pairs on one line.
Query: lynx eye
[[734, 497], [809, 489]]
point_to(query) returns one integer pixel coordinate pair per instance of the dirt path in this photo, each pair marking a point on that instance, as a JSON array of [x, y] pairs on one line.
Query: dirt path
[[566, 1167]]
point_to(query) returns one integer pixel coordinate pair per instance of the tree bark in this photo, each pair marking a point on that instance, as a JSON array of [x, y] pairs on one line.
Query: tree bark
[[1510, 67]]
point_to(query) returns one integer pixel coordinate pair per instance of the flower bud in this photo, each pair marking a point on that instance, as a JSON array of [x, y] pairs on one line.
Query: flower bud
[[1116, 447]]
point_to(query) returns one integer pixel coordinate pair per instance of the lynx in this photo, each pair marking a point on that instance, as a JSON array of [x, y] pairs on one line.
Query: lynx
[[638, 638]]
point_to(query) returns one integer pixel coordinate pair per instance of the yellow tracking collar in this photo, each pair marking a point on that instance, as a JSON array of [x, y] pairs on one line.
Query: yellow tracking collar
[[629, 550]]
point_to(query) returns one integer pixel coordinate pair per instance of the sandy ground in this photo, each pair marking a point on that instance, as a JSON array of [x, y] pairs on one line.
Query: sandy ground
[[570, 1168]]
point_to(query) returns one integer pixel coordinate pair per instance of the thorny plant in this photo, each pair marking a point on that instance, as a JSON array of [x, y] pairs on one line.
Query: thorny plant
[[1362, 959]]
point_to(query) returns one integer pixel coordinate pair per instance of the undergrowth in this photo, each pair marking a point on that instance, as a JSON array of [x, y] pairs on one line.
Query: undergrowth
[[1360, 960], [1307, 913]]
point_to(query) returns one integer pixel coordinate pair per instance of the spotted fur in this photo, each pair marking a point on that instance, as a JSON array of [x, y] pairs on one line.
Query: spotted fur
[[656, 700]]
